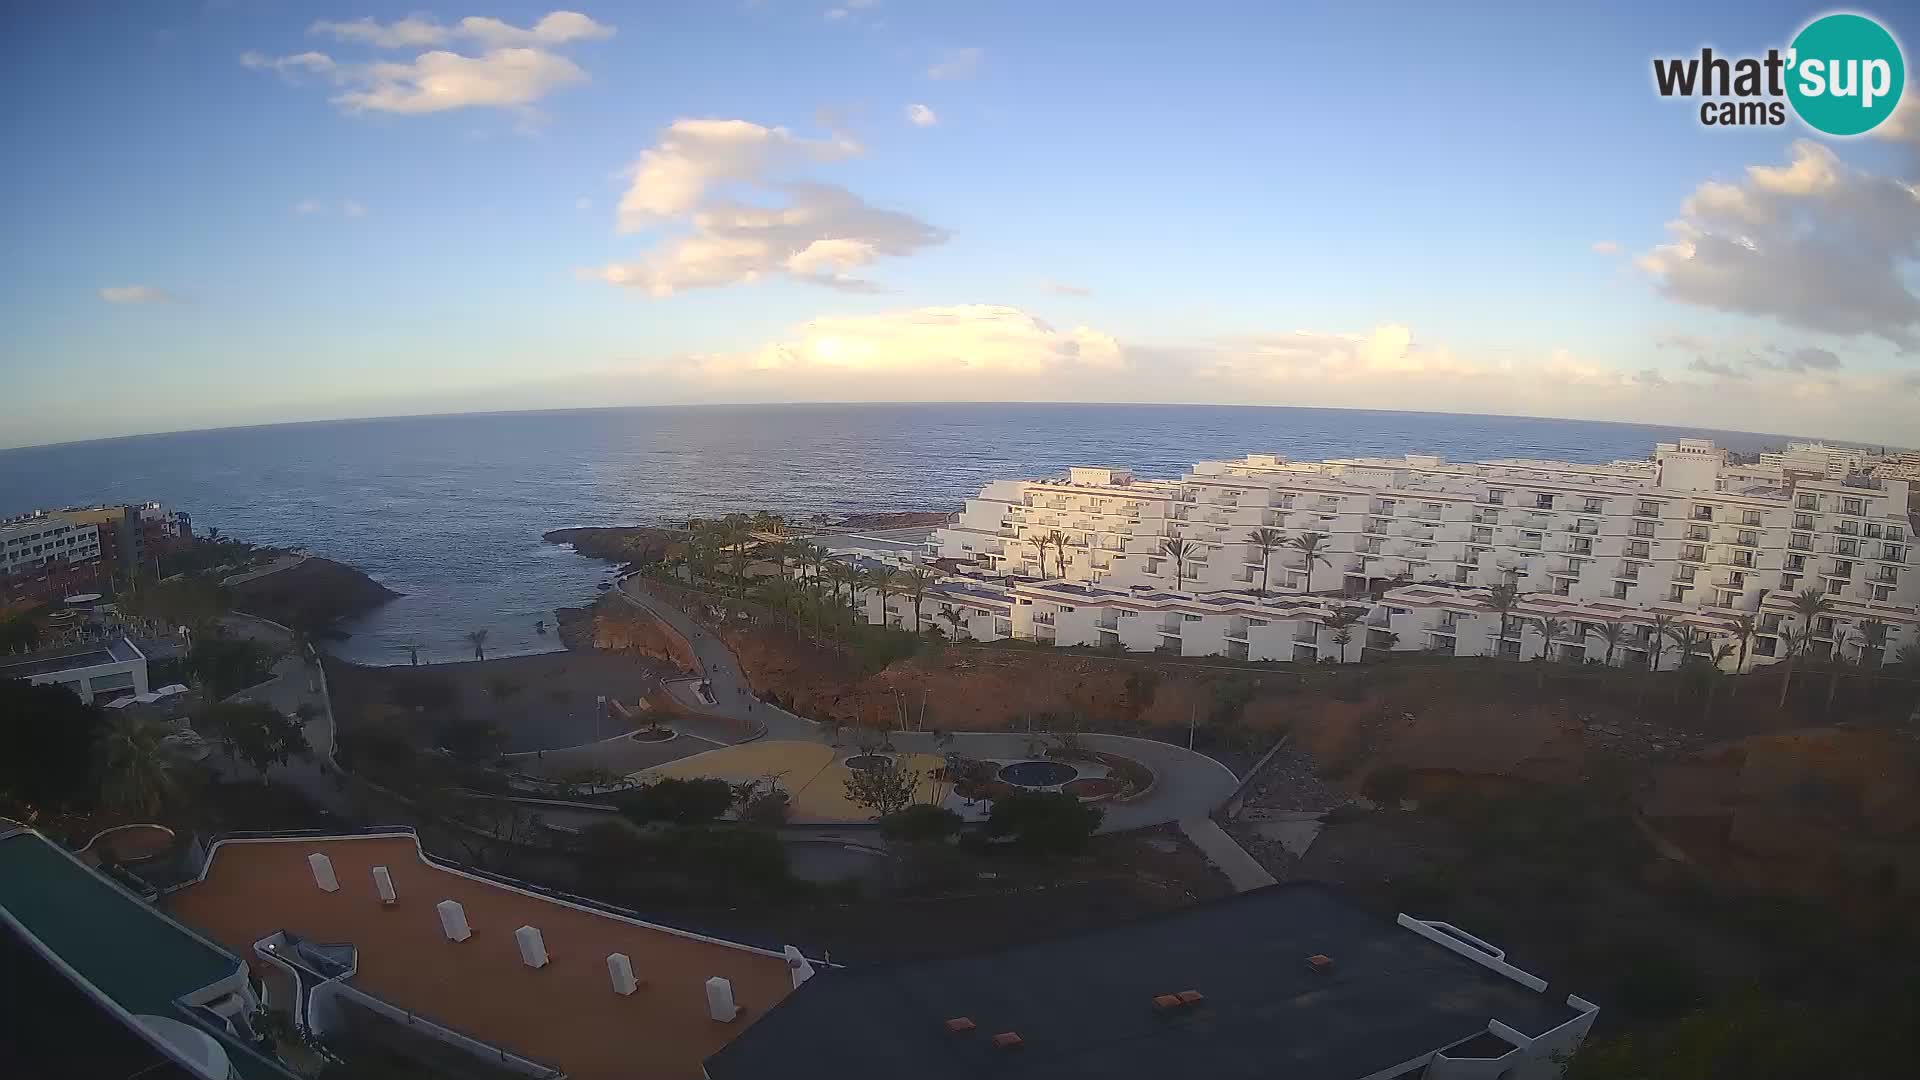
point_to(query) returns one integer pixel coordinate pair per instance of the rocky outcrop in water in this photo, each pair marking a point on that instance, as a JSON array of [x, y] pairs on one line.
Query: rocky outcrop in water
[[630, 545], [312, 595]]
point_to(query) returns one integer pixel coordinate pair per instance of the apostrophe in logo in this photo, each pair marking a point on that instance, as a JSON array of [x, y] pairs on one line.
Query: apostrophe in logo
[[1843, 75], [1846, 74]]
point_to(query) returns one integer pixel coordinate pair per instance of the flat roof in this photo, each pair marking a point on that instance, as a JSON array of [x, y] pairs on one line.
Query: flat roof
[[122, 945], [1083, 1005], [565, 1014], [70, 658], [50, 1021]]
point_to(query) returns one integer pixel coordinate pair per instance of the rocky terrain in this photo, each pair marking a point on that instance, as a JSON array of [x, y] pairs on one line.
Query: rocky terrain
[[629, 545], [312, 595]]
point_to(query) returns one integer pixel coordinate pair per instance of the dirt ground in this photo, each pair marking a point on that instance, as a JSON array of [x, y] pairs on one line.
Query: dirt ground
[[542, 702]]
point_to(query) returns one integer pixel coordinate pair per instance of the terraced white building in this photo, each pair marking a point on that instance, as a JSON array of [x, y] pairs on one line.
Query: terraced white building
[[1684, 537]]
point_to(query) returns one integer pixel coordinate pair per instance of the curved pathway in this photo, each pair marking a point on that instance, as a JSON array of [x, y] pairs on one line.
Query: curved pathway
[[1186, 784]]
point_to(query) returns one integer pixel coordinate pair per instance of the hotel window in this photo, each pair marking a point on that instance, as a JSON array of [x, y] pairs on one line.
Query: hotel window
[[1883, 592], [1748, 539], [1693, 553], [1647, 509], [1893, 553], [1643, 528], [1853, 506], [1727, 599], [1543, 502], [1703, 513], [1497, 496], [1873, 531], [1677, 594], [1808, 502], [1789, 582], [1594, 506], [1750, 517], [1696, 532], [1796, 563], [1620, 590], [1803, 521], [1823, 628], [1685, 573], [1846, 547], [1834, 587], [1800, 542], [1639, 549], [1894, 533]]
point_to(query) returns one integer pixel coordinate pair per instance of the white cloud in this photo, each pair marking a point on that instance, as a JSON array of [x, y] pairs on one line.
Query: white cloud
[[936, 342], [419, 31], [352, 209], [836, 14], [411, 32], [1605, 247], [515, 69], [308, 206], [956, 64], [312, 207], [672, 176], [583, 203], [437, 81], [821, 235], [1061, 288], [136, 294], [818, 233], [921, 116], [311, 63], [1813, 244]]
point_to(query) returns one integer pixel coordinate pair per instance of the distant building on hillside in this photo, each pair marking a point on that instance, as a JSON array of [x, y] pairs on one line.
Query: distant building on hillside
[[49, 554]]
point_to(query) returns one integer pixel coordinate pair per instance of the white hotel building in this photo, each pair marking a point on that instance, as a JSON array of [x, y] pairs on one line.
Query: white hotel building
[[1685, 535]]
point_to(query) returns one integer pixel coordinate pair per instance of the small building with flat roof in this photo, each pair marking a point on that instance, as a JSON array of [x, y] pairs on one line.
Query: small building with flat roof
[[1287, 981], [94, 669]]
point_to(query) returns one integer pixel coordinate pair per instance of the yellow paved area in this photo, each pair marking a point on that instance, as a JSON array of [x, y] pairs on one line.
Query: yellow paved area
[[810, 773]]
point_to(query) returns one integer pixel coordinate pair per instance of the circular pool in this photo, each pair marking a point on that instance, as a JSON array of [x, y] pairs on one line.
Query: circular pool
[[865, 761], [1038, 774]]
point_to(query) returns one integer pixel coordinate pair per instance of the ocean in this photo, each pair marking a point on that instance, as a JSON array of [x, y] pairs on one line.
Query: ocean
[[449, 510]]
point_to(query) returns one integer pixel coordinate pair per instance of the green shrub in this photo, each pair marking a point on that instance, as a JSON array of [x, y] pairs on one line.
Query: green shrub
[[1044, 822], [920, 824], [677, 801]]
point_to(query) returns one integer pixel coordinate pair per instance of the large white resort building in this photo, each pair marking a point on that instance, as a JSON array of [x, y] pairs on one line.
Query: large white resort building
[[1416, 544]]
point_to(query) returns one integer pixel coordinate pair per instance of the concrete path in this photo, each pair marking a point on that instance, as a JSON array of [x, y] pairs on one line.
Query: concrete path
[[1242, 870], [733, 698], [294, 683]]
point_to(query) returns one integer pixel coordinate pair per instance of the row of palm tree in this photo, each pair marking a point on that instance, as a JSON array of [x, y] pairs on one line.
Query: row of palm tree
[[1268, 540]]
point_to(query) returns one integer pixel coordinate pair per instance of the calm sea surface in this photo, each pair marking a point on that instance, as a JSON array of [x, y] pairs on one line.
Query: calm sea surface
[[449, 510]]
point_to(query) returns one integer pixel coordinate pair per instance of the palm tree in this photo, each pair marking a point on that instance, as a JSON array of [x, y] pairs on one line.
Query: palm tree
[[1266, 540], [1308, 544], [1613, 632], [838, 574], [1501, 598], [917, 580], [478, 639], [771, 524], [883, 580], [954, 619], [137, 771], [1059, 541], [1745, 625], [1714, 674], [1657, 643], [1179, 551], [1873, 645], [1689, 641], [1837, 663], [1809, 604], [1341, 622]]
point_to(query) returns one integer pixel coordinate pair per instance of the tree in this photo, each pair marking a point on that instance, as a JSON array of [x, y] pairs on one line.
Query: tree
[[260, 735], [1613, 632], [681, 802], [137, 771], [1873, 632], [47, 737], [920, 824], [955, 618], [1044, 822], [478, 639], [1663, 631], [1308, 544], [1266, 540], [1179, 551], [839, 574], [224, 666], [885, 581], [18, 634], [883, 787], [1745, 625], [917, 580], [1342, 622], [1550, 628], [1715, 672], [1809, 605], [1503, 598], [471, 740]]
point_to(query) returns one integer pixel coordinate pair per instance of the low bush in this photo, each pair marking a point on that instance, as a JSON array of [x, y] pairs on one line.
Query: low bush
[[677, 801], [1044, 822], [920, 824]]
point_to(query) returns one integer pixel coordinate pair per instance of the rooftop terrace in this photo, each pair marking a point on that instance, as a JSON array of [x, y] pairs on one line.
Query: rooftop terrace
[[564, 1013]]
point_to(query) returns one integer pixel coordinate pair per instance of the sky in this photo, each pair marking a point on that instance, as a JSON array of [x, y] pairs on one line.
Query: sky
[[252, 211]]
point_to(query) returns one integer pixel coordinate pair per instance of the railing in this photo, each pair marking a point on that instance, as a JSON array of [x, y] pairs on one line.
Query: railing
[[320, 1002]]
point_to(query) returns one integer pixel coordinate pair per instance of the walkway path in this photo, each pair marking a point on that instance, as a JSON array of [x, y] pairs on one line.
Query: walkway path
[[1187, 784], [294, 684], [1242, 870]]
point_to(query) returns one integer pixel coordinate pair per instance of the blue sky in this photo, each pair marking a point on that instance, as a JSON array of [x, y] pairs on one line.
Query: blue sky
[[247, 212]]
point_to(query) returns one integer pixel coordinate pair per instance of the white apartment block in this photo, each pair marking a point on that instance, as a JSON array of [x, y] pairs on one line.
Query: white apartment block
[[1683, 538], [1819, 459], [29, 543]]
